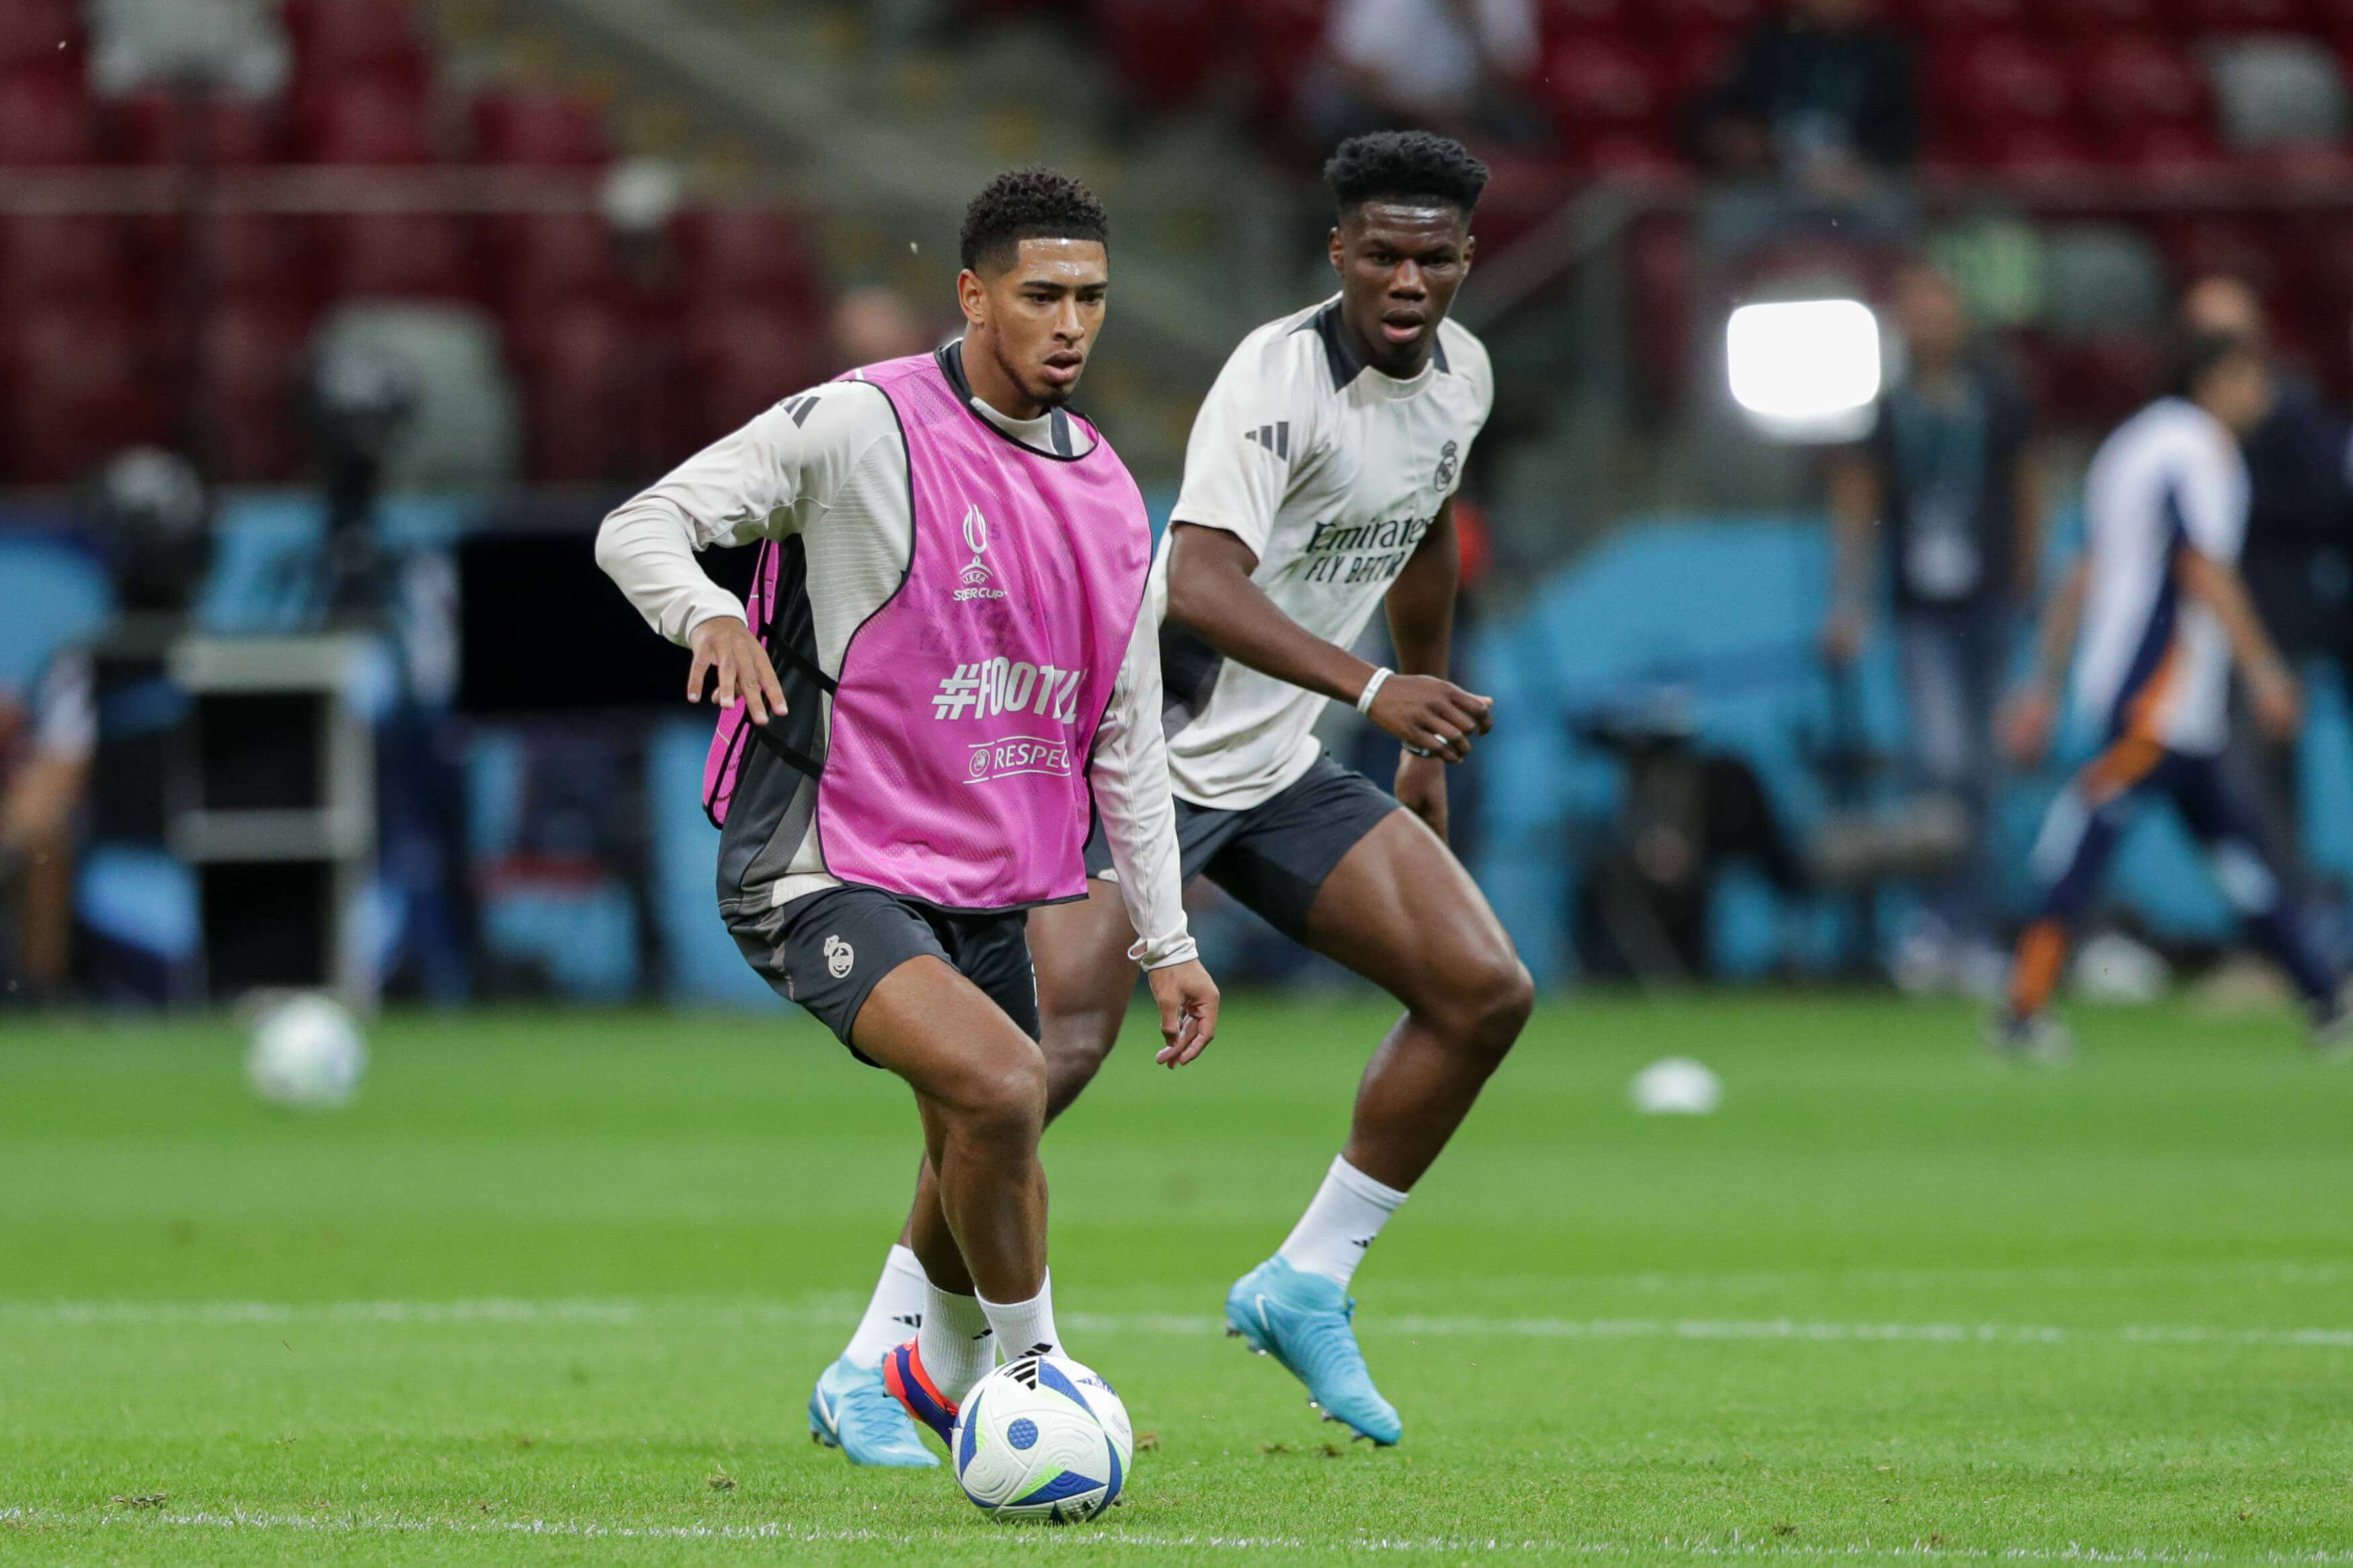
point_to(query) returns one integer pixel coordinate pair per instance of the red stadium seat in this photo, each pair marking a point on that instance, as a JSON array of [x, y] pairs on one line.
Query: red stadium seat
[[745, 357], [2038, 154], [1570, 18], [1626, 154], [1991, 83], [223, 130], [2243, 15], [1950, 20], [1694, 61], [1163, 52], [250, 380], [45, 120], [32, 30], [2238, 247], [334, 38], [1523, 188], [1593, 83], [403, 256], [540, 127], [576, 362], [363, 119], [2099, 380], [258, 256], [539, 258], [80, 389], [749, 252], [2133, 79], [2181, 154], [2097, 18], [1673, 18], [47, 257], [1278, 39]]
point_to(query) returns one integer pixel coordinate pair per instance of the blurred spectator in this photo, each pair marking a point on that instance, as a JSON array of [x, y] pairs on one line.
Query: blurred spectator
[[45, 744], [1949, 469], [1821, 96], [1453, 66], [2298, 559]]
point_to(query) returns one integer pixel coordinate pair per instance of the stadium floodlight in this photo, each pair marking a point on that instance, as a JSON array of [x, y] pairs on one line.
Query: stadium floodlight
[[1805, 370]]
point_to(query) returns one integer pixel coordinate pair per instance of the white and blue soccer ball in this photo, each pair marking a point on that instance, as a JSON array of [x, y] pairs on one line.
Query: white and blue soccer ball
[[1043, 1438], [307, 1052]]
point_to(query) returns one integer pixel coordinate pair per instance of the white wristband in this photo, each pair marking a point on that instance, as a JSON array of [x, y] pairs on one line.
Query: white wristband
[[1373, 689]]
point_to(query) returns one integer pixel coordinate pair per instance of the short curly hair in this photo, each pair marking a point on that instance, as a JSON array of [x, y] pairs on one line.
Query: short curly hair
[[1405, 167], [1028, 203]]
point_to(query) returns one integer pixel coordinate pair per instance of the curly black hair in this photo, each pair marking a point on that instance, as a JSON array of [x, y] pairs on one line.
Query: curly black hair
[[1412, 167], [1028, 203]]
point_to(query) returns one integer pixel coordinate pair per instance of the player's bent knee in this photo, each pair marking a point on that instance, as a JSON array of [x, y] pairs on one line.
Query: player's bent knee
[[1486, 1002], [1001, 1096]]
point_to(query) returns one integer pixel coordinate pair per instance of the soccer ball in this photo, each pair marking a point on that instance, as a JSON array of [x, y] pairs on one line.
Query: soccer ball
[[1676, 1085], [308, 1052], [1043, 1438]]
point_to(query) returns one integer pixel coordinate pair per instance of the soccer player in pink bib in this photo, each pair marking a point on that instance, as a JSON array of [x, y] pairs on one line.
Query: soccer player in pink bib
[[942, 670]]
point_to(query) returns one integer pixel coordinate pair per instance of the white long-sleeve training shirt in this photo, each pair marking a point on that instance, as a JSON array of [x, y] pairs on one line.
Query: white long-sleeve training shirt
[[827, 468]]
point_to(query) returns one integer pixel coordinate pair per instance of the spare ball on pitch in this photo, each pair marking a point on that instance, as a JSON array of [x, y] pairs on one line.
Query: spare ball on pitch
[[307, 1051], [1676, 1085], [1043, 1438]]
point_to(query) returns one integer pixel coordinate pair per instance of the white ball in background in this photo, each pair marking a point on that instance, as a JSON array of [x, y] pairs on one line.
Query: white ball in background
[[1676, 1085], [2112, 967], [307, 1051]]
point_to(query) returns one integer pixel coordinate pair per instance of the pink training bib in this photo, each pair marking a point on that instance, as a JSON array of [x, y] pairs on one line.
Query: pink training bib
[[968, 705]]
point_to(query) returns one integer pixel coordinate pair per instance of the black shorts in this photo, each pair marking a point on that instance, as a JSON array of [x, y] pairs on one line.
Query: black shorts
[[830, 950], [1273, 856]]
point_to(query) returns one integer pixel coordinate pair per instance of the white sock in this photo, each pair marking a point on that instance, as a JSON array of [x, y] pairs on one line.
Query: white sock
[[895, 1312], [1348, 1211], [954, 1343], [1026, 1328]]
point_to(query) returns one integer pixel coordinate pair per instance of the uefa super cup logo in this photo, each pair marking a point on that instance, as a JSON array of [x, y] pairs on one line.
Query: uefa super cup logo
[[976, 572]]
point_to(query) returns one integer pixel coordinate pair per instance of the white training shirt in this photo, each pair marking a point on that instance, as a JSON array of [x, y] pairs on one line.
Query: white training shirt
[[830, 466], [1331, 473], [2170, 478]]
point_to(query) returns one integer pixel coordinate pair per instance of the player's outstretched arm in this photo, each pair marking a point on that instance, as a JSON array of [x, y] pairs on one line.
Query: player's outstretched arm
[[1129, 773], [1211, 594]]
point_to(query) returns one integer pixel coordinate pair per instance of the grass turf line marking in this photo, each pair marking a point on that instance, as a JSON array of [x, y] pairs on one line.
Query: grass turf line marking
[[589, 1530], [1700, 1547], [828, 1312]]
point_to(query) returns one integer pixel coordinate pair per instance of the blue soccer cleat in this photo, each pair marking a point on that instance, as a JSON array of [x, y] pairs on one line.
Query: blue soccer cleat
[[1302, 1319], [851, 1410]]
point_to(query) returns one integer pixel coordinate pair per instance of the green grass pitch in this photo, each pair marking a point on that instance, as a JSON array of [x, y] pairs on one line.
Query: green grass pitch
[[554, 1289]]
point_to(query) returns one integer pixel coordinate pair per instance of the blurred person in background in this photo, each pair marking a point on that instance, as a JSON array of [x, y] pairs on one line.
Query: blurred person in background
[[1948, 482], [150, 518], [1453, 66], [1820, 97], [2164, 617], [2298, 563], [46, 740]]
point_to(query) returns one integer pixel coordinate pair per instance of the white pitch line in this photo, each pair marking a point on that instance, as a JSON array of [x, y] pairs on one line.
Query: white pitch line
[[830, 1312], [1732, 1546]]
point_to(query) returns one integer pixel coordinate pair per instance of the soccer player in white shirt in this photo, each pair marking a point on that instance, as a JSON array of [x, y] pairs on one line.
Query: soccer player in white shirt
[[2164, 615], [1318, 488]]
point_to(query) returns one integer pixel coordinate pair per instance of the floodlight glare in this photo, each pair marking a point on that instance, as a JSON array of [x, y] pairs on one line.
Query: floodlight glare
[[1805, 370]]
